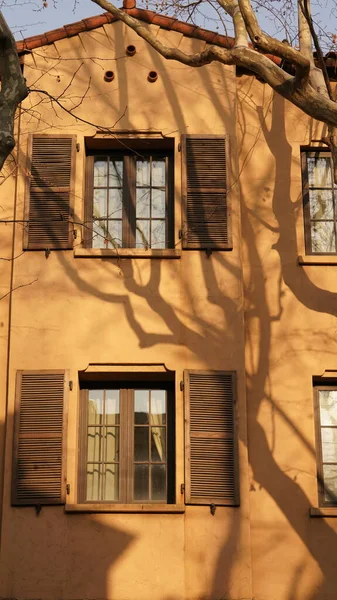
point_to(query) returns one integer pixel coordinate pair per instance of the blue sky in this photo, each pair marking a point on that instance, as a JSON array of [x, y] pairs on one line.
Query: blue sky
[[27, 18]]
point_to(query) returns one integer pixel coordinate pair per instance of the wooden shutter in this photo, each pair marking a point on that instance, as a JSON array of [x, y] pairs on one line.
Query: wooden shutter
[[38, 461], [211, 444], [50, 192], [206, 214]]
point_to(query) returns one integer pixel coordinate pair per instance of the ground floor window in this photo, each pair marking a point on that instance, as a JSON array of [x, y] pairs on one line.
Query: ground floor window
[[127, 443]]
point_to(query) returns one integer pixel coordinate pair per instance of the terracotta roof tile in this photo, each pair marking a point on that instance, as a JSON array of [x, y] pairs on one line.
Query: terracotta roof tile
[[148, 16]]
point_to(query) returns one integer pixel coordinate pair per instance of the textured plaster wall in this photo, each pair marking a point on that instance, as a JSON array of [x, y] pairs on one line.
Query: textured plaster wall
[[186, 313], [290, 329]]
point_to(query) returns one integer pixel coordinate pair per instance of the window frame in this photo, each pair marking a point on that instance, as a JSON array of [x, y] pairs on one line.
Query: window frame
[[305, 152], [126, 440], [129, 157], [322, 502]]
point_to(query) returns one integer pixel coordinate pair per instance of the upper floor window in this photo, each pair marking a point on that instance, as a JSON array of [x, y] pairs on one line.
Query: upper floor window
[[129, 199], [319, 203]]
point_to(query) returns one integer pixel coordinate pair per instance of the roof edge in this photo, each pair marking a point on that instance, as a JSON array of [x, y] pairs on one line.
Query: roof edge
[[147, 16]]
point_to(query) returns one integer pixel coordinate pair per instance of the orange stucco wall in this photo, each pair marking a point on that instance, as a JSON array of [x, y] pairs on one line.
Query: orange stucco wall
[[253, 310]]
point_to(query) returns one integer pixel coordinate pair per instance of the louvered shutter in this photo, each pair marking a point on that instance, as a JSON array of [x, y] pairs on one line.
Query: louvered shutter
[[38, 460], [211, 445], [206, 213], [50, 193]]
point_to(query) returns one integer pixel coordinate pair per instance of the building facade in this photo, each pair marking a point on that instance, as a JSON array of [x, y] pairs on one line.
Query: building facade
[[168, 308]]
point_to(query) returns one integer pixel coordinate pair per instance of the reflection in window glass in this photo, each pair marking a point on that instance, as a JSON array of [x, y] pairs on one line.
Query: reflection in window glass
[[321, 208], [126, 452], [328, 438], [103, 446], [150, 445], [107, 203]]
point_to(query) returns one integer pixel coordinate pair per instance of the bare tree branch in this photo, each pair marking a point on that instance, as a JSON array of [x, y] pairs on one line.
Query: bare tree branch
[[13, 89]]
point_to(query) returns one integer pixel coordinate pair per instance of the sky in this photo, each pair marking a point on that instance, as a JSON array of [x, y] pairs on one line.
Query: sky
[[27, 18]]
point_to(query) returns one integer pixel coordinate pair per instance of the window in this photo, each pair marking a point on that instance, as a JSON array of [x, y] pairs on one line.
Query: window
[[326, 436], [129, 200], [127, 443], [319, 202]]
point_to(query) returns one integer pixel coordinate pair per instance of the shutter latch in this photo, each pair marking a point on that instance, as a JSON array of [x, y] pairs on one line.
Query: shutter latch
[[181, 386], [212, 509], [68, 489], [182, 488]]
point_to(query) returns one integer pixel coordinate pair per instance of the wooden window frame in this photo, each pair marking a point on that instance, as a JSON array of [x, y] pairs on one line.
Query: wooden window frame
[[129, 158], [126, 440], [319, 455], [305, 152]]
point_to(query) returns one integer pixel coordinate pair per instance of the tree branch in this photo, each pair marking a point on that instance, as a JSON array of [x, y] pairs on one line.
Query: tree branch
[[13, 89]]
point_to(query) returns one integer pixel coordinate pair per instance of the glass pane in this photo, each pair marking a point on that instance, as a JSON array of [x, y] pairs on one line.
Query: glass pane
[[143, 172], [321, 204], [158, 204], [323, 236], [112, 407], [94, 452], [114, 235], [115, 173], [141, 406], [141, 450], [93, 482], [100, 203], [111, 483], [158, 172], [98, 234], [319, 171], [158, 444], [158, 481], [115, 204], [158, 234], [330, 482], [112, 444], [143, 198], [100, 171], [328, 407], [95, 407], [141, 482], [143, 234], [158, 407]]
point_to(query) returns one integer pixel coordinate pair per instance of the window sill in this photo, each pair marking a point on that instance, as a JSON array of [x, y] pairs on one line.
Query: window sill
[[125, 253], [317, 260], [124, 508], [323, 512]]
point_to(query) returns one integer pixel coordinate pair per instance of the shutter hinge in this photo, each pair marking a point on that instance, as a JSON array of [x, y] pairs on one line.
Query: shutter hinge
[[75, 234], [212, 509], [71, 386], [78, 147], [181, 386], [182, 488], [180, 234], [68, 489], [179, 147]]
